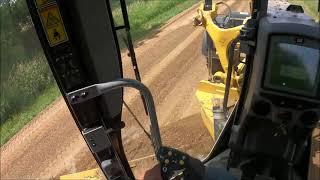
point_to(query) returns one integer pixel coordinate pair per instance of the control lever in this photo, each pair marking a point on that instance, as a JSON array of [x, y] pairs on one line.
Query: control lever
[[178, 165]]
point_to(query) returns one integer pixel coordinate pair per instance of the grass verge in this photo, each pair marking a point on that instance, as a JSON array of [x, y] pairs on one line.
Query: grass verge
[[145, 16], [17, 121], [310, 7]]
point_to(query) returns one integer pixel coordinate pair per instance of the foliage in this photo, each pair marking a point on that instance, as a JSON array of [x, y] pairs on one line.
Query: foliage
[[147, 15], [24, 83], [18, 40], [17, 121]]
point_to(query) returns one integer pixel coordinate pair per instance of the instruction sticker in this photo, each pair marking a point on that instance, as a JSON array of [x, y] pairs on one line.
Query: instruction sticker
[[53, 25]]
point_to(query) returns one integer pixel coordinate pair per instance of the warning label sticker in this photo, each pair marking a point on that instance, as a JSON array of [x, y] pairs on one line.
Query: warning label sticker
[[53, 25]]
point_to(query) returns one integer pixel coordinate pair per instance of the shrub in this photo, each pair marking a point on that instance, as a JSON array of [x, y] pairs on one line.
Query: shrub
[[25, 81]]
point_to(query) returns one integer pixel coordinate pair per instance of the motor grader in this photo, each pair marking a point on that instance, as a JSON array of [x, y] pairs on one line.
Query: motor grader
[[221, 48], [263, 86]]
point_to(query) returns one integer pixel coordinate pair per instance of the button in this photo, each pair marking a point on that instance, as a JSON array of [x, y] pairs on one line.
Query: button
[[74, 98], [84, 94], [181, 162], [164, 169], [285, 115], [170, 153], [166, 161]]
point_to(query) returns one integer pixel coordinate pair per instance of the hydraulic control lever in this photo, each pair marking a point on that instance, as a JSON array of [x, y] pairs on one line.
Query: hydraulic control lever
[[178, 165], [174, 164]]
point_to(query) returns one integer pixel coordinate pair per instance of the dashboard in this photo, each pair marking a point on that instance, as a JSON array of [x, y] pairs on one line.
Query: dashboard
[[282, 104]]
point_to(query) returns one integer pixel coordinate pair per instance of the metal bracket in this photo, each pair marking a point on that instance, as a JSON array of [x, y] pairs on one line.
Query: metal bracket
[[97, 139], [248, 36]]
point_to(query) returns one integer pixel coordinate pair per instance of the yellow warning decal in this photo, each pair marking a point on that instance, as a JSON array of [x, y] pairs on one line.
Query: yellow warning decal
[[53, 25]]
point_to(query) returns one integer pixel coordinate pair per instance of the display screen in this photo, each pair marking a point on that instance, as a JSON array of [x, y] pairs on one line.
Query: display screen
[[293, 68]]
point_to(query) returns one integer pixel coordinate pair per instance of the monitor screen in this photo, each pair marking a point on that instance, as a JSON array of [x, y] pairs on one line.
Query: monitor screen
[[293, 68]]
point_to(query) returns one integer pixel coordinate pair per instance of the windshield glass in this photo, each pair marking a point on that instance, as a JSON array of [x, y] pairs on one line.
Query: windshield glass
[[172, 65], [183, 99], [179, 63]]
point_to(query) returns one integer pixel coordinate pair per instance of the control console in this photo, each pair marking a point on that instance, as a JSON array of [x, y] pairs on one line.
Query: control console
[[282, 101]]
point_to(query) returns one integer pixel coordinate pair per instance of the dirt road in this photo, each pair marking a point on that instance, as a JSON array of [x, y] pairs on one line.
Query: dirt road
[[171, 66]]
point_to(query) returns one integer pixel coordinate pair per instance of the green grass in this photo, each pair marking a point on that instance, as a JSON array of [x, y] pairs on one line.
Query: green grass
[[145, 16], [310, 7], [17, 121], [148, 15]]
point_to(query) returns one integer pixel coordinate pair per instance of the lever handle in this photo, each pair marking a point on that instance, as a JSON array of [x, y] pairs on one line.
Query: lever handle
[[178, 165]]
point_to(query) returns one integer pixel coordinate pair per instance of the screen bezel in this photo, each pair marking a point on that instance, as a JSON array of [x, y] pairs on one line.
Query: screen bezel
[[290, 39]]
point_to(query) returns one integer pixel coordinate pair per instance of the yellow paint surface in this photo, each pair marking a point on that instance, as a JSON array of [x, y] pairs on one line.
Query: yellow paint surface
[[207, 91], [92, 174]]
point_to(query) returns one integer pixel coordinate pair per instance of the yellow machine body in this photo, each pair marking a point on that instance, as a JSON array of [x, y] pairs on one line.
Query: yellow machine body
[[222, 38], [93, 174], [208, 91]]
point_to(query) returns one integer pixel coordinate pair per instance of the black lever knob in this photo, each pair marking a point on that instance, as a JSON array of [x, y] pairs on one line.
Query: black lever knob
[[178, 165]]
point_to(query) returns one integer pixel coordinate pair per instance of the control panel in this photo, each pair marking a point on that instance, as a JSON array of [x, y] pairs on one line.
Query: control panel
[[282, 104]]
